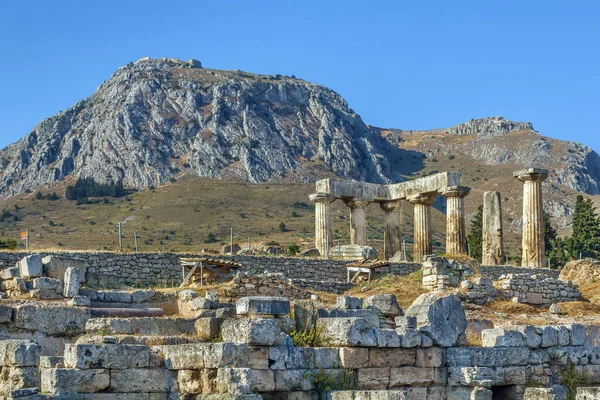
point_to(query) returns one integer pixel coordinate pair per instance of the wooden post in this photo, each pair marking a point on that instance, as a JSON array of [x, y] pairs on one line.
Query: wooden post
[[120, 237], [136, 241], [231, 248], [27, 240]]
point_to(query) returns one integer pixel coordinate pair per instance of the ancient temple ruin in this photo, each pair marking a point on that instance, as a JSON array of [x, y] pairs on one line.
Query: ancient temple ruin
[[421, 193]]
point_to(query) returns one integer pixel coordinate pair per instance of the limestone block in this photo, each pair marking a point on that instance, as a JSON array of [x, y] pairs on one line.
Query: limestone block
[[348, 332], [5, 314], [17, 378], [245, 380], [349, 303], [143, 381], [373, 378], [473, 376], [55, 266], [577, 334], [530, 335], [19, 353], [356, 252], [440, 316], [549, 336], [499, 337], [354, 357], [258, 358], [142, 296], [391, 357], [203, 355], [417, 376], [187, 295], [208, 327], [253, 331], [60, 381], [257, 305], [384, 304], [488, 357], [9, 273], [481, 394], [431, 357], [30, 266], [387, 337], [79, 301], [71, 282], [51, 320], [189, 381], [292, 380], [370, 316], [410, 337], [52, 362], [109, 356], [116, 296], [587, 393], [311, 358], [534, 298], [406, 322], [556, 392]]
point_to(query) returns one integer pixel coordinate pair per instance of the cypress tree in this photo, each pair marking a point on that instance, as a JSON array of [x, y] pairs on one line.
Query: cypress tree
[[586, 229], [475, 236]]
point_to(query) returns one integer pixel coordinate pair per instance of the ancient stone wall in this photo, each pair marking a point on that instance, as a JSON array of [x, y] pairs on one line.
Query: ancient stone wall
[[494, 272], [537, 289]]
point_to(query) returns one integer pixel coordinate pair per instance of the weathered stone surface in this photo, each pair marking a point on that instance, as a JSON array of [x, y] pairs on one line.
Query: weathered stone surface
[[143, 381], [15, 379], [440, 316], [354, 357], [373, 378], [59, 381], [549, 336], [109, 356], [52, 362], [71, 282], [349, 303], [355, 252], [431, 357], [370, 316], [208, 327], [577, 334], [79, 301], [9, 273], [142, 326], [187, 295], [30, 266], [203, 355], [142, 296], [348, 331], [257, 305], [499, 337], [391, 357], [51, 320], [387, 337], [55, 266], [47, 288], [253, 331], [385, 304], [417, 376], [493, 236], [405, 322], [19, 353]]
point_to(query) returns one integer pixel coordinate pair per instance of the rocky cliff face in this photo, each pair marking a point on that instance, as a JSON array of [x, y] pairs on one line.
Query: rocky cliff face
[[154, 119], [489, 127]]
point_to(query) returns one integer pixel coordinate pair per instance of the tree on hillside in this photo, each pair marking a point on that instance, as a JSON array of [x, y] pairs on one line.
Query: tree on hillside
[[475, 236], [586, 229], [550, 233]]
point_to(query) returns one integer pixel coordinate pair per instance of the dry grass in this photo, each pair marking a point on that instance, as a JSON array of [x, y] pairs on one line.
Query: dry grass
[[579, 309], [405, 288], [508, 307], [473, 338]]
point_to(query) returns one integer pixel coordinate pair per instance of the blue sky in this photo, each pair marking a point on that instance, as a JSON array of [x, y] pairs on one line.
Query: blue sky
[[410, 65]]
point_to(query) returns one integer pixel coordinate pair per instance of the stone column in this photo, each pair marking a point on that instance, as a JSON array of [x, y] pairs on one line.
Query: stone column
[[456, 239], [422, 214], [493, 237], [358, 221], [392, 226], [323, 222], [534, 249]]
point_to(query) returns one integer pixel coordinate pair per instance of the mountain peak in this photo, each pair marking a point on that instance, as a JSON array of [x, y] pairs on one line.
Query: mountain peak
[[489, 127]]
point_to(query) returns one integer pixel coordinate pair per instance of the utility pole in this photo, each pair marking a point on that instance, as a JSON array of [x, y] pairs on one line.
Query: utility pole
[[231, 248], [136, 241], [120, 237], [27, 240]]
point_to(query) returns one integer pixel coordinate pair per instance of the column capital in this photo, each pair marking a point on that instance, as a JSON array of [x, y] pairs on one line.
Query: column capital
[[531, 175], [321, 198], [422, 198], [455, 191], [390, 205], [354, 202]]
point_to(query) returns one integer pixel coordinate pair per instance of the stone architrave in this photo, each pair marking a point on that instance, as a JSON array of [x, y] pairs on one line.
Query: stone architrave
[[392, 226], [534, 249], [323, 222], [358, 221], [456, 239], [422, 215], [493, 236]]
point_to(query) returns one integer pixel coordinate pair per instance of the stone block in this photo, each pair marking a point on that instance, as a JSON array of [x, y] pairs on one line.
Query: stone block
[[30, 266], [370, 316], [79, 301], [587, 393], [549, 336], [384, 304], [349, 303], [51, 320], [6, 313], [387, 337], [534, 298], [18, 378], [348, 332], [61, 381], [473, 376], [203, 355], [564, 335], [187, 295], [52, 362], [531, 337], [143, 381], [373, 378], [293, 380], [19, 353], [47, 288], [208, 328], [391, 357], [117, 296], [189, 381], [577, 334], [354, 357], [499, 337], [9, 273], [440, 316], [417, 376], [431, 357], [108, 356], [142, 296], [410, 338], [253, 331], [71, 282], [55, 266], [405, 322], [259, 305]]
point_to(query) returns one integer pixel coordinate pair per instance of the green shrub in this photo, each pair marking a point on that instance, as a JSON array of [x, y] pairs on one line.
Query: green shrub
[[571, 379], [326, 381], [293, 249]]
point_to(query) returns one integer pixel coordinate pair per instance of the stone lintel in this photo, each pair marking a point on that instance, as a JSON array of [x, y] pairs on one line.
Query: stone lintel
[[531, 174], [433, 184], [352, 189]]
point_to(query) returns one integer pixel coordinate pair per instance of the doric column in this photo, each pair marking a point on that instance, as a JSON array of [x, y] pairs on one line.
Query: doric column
[[358, 221], [392, 228], [534, 249], [493, 237], [323, 222], [456, 240], [422, 214]]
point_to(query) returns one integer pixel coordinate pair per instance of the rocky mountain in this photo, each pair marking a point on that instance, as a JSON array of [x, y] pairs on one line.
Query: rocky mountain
[[157, 118]]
